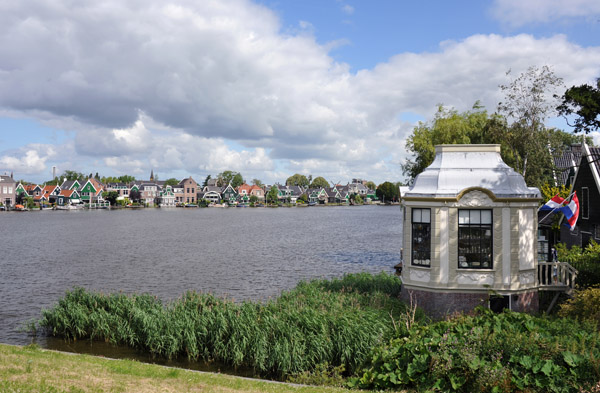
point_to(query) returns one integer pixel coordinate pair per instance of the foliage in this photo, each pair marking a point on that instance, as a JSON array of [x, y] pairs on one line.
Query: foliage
[[357, 199], [257, 182], [584, 102], [111, 197], [320, 322], [387, 191], [205, 183], [488, 352], [319, 182], [549, 191], [273, 195], [477, 127], [126, 179], [171, 182], [253, 199], [303, 198], [370, 185], [72, 175], [586, 261], [135, 195], [226, 177], [584, 305], [297, 180]]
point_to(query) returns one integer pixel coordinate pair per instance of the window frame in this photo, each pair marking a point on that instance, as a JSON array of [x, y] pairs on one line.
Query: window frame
[[585, 203], [470, 241], [420, 248]]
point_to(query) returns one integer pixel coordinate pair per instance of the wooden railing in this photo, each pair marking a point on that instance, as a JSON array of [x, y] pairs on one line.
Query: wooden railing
[[556, 276]]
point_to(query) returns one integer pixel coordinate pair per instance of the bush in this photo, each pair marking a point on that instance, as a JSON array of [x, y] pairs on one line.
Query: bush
[[488, 352], [586, 261], [585, 305]]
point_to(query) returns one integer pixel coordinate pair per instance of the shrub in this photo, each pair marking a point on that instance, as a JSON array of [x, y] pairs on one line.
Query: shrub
[[488, 352], [586, 261], [584, 305]]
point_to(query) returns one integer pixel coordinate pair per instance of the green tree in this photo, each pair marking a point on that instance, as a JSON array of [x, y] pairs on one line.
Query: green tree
[[357, 199], [319, 182], [273, 195], [237, 180], [253, 199], [387, 192], [297, 180], [171, 182], [111, 197], [72, 175], [303, 198], [370, 185], [126, 179], [257, 182], [529, 100], [584, 102], [135, 196], [226, 177], [448, 127], [206, 181]]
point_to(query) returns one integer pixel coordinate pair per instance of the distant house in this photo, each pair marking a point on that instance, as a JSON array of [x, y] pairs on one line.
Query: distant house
[[149, 192], [229, 194], [67, 197], [190, 190], [289, 193], [258, 192], [51, 193], [333, 195], [166, 196], [586, 185], [211, 194], [70, 185], [33, 190], [7, 190], [91, 191], [316, 195]]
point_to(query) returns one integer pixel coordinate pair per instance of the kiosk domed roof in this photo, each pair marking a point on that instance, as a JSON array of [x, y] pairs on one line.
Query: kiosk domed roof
[[460, 167]]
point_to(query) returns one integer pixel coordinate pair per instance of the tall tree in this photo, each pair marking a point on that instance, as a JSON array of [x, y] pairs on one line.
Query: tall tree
[[72, 175], [257, 182], [206, 181], [584, 102], [273, 195], [237, 180], [370, 185], [297, 180], [171, 182], [319, 182], [387, 192], [528, 100], [226, 177], [126, 179]]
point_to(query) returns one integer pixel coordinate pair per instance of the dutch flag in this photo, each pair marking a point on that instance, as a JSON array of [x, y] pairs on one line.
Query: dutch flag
[[571, 211], [555, 203]]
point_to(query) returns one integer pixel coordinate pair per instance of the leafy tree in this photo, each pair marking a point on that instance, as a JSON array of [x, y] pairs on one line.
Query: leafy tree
[[135, 196], [584, 102], [226, 177], [273, 195], [109, 179], [357, 199], [387, 191], [448, 127], [297, 180], [171, 182], [257, 182], [126, 179], [72, 175], [111, 197], [303, 198], [319, 182], [529, 101], [206, 181], [237, 180], [253, 199], [370, 185]]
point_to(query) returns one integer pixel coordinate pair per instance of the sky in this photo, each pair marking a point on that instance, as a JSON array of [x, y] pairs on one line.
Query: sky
[[267, 88]]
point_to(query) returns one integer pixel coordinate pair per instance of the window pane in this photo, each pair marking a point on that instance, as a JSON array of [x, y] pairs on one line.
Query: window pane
[[486, 216], [416, 215], [426, 216], [463, 216], [475, 216]]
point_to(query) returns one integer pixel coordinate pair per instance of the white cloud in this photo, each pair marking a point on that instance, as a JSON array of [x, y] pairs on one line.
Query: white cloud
[[347, 9], [30, 159], [518, 12]]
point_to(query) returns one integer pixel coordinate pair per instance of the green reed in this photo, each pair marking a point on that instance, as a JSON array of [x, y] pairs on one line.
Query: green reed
[[336, 322]]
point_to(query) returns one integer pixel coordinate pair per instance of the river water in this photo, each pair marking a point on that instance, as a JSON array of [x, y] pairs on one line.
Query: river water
[[240, 253]]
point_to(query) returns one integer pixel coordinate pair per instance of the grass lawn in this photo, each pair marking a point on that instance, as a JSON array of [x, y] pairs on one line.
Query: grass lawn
[[31, 369]]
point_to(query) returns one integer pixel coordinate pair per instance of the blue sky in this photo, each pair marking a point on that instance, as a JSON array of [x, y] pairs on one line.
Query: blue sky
[[329, 88]]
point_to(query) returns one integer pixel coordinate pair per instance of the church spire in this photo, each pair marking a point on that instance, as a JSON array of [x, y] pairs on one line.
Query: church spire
[[152, 175]]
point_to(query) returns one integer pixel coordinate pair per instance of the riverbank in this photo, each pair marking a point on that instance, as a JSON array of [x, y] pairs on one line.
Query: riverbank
[[31, 369]]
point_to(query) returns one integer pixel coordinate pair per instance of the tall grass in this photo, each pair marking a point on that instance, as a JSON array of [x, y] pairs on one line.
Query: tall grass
[[336, 322]]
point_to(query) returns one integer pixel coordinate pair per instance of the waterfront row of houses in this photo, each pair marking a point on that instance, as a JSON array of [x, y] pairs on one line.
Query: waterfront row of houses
[[187, 192]]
